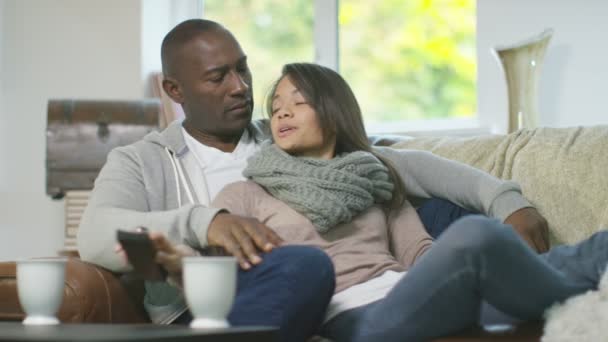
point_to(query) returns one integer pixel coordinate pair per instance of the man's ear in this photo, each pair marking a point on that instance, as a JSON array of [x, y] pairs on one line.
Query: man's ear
[[173, 89]]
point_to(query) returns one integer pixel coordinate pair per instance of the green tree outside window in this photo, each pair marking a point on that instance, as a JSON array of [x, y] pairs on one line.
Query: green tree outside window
[[405, 59]]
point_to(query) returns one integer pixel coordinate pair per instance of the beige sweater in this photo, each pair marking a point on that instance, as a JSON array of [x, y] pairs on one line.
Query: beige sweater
[[361, 249]]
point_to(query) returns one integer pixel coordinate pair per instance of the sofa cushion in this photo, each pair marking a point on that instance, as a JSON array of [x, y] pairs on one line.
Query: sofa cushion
[[562, 171]]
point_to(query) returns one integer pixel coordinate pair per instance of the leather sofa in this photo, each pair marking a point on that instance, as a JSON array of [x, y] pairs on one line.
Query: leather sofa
[[91, 295]]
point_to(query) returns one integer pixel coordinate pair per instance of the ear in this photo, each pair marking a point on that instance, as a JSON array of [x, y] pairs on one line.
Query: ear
[[172, 88]]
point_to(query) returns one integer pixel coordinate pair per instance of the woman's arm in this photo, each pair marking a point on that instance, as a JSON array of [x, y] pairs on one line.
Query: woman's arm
[[407, 236], [239, 199]]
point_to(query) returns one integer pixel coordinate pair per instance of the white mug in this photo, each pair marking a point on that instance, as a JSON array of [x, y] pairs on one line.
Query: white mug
[[40, 285], [210, 287]]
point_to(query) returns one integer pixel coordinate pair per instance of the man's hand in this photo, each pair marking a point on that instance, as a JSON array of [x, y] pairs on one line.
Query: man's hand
[[242, 237], [532, 227]]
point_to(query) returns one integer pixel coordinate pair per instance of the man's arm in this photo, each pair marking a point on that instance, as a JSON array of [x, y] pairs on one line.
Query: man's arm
[[427, 175], [120, 201]]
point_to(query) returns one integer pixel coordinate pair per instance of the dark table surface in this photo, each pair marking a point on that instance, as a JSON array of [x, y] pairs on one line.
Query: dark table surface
[[523, 332], [15, 331]]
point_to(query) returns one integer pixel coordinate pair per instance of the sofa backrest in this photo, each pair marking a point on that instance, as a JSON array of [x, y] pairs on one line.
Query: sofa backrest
[[562, 171]]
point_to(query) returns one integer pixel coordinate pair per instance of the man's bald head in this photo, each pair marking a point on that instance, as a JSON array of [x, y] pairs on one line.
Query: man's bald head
[[205, 70], [179, 36]]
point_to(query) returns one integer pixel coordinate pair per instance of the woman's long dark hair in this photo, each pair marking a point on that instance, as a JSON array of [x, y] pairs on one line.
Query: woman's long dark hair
[[338, 113]]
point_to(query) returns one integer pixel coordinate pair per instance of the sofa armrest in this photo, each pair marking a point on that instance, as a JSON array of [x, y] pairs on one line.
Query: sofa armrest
[[91, 295], [10, 310]]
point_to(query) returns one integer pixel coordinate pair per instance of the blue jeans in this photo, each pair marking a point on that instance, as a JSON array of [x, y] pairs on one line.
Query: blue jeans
[[476, 259], [290, 289]]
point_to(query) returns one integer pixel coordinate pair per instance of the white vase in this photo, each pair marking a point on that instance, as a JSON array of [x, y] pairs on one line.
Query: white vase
[[521, 63]]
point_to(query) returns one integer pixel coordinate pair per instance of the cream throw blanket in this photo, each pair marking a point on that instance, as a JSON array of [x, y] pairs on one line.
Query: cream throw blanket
[[562, 171], [582, 318]]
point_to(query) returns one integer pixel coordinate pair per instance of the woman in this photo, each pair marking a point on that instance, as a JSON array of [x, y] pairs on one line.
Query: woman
[[319, 183]]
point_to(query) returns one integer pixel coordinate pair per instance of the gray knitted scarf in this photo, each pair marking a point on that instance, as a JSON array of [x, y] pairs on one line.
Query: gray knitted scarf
[[327, 192]]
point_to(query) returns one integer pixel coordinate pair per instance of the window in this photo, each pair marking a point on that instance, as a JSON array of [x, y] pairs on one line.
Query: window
[[271, 32], [407, 61]]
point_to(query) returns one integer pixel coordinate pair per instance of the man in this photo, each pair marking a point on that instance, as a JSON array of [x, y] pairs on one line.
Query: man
[[148, 184], [140, 186]]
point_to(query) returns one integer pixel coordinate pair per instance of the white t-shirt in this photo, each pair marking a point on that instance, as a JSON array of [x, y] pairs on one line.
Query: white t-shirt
[[362, 294], [218, 168]]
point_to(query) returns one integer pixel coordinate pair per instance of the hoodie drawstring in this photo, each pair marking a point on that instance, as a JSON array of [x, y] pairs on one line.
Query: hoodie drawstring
[[178, 173]]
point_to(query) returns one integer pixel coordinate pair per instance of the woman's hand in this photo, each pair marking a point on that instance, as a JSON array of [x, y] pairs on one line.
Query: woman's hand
[[169, 256]]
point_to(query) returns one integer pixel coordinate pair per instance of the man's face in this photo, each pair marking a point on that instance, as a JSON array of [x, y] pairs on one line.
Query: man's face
[[215, 84]]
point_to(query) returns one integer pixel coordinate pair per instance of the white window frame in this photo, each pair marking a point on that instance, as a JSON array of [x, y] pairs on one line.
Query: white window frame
[[326, 35]]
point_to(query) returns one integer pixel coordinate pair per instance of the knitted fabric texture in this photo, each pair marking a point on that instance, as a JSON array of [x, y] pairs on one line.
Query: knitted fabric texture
[[327, 192]]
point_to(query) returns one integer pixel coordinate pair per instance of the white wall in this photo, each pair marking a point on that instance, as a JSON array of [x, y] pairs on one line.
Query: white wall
[[2, 23], [94, 49], [572, 87], [2, 124], [54, 49], [153, 28], [157, 18]]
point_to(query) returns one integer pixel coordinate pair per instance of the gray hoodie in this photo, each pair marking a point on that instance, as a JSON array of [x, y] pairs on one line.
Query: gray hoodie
[[143, 184]]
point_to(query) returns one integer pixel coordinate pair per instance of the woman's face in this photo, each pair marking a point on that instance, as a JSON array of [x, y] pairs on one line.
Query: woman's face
[[295, 126]]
